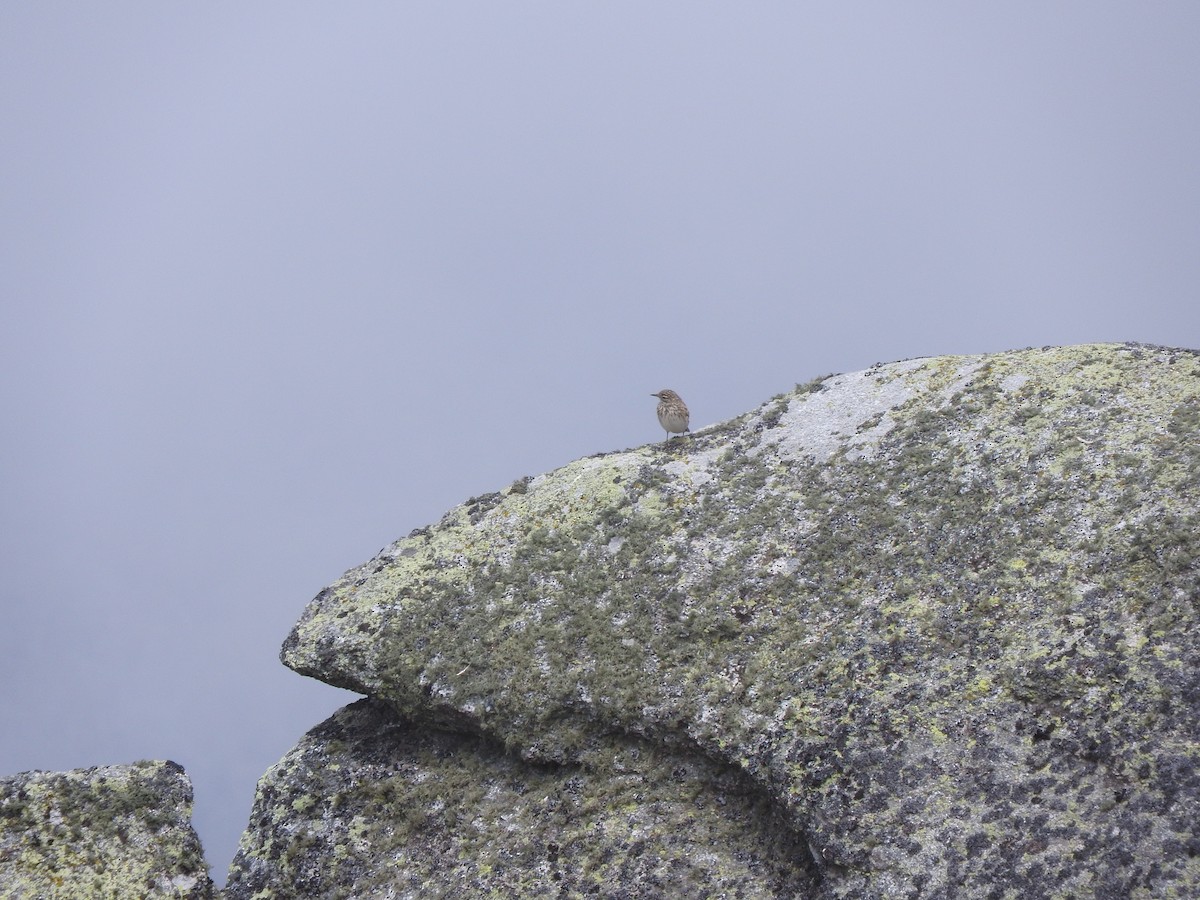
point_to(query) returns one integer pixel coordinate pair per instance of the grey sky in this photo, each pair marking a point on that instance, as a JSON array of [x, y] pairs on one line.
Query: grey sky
[[282, 281]]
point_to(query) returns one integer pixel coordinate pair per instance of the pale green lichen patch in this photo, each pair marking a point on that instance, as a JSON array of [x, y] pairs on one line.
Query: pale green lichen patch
[[107, 833], [968, 574]]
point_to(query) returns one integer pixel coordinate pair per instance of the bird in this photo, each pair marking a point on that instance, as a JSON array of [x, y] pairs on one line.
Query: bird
[[672, 412]]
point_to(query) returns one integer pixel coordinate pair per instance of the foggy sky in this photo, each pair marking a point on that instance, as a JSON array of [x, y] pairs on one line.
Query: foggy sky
[[281, 282]]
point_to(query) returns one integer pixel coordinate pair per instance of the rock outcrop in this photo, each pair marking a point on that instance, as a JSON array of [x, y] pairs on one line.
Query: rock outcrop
[[107, 833], [931, 629], [928, 630]]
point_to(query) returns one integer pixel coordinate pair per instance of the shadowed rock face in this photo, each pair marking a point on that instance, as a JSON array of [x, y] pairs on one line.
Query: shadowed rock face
[[371, 804], [108, 833], [938, 618]]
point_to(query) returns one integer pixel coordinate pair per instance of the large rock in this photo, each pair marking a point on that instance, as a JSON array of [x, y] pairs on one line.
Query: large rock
[[106, 833], [941, 616]]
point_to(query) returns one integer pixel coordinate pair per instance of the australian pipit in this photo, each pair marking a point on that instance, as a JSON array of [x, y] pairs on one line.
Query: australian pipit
[[672, 412]]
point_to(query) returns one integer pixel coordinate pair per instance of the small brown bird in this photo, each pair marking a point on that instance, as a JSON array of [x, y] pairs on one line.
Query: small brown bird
[[672, 412]]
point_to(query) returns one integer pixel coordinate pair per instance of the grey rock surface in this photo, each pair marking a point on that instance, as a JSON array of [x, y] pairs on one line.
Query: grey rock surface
[[938, 618], [369, 806], [106, 833]]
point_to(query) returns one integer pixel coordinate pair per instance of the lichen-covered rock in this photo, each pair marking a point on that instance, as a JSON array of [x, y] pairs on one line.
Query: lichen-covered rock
[[944, 614], [368, 806], [106, 833]]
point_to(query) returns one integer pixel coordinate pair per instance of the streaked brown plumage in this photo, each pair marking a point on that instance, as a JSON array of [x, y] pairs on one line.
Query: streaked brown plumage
[[672, 412]]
